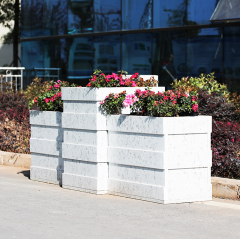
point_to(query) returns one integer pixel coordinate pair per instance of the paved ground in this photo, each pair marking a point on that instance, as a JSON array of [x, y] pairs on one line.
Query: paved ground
[[38, 210]]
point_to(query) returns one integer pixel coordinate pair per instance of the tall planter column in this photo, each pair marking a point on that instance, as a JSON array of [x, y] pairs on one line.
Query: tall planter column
[[164, 160], [86, 139], [46, 146]]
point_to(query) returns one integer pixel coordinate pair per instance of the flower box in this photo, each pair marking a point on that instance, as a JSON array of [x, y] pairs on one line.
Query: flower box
[[164, 160], [84, 149], [46, 146]]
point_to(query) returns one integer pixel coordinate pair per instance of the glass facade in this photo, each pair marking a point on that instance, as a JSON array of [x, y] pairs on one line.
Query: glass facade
[[78, 36]]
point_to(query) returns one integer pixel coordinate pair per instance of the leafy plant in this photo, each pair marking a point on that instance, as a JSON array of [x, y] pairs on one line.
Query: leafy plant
[[99, 79], [48, 99], [226, 149], [113, 103], [14, 123], [148, 102], [203, 82], [217, 106]]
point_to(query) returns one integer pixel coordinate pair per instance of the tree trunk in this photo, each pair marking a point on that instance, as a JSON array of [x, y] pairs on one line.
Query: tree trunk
[[15, 34]]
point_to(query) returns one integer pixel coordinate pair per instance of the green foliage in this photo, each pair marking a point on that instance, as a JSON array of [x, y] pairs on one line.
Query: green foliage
[[7, 12], [47, 99], [203, 82], [36, 88], [113, 103]]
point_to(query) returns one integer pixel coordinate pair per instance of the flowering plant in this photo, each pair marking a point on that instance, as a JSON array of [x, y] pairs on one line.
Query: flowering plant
[[169, 103], [158, 104], [99, 79], [113, 103], [50, 100]]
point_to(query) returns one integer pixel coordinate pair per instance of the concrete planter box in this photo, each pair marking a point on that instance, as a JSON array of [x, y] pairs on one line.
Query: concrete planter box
[[164, 160], [84, 149], [46, 146]]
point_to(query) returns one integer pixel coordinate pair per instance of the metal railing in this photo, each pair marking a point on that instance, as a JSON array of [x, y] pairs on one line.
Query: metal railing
[[11, 77]]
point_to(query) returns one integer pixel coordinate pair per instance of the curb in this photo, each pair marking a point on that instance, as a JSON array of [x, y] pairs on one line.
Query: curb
[[221, 187], [226, 188], [15, 159]]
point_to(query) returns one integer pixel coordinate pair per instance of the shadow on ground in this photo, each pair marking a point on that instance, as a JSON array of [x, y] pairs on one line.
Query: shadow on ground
[[26, 173]]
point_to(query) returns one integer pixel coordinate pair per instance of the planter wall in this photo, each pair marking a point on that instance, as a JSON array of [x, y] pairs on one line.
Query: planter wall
[[165, 160], [85, 138], [46, 146]]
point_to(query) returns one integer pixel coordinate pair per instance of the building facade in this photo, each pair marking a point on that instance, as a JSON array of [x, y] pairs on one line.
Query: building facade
[[78, 36]]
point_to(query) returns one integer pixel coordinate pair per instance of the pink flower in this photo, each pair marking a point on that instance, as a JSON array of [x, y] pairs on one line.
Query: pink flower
[[130, 100], [35, 100], [46, 100], [232, 139], [58, 81], [134, 84], [165, 97], [174, 102], [50, 88], [59, 94], [139, 92], [56, 86], [89, 84], [195, 107]]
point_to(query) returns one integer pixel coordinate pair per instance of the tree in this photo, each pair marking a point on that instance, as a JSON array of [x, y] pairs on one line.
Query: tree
[[10, 11]]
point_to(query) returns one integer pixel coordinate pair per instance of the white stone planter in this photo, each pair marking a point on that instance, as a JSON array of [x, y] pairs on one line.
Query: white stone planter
[[165, 160], [46, 146], [85, 138]]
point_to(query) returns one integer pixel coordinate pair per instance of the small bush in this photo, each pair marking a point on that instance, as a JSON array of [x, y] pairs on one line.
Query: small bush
[[14, 123], [99, 79], [203, 82], [226, 149]]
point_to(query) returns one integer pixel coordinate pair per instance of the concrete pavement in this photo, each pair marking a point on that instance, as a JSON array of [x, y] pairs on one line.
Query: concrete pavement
[[31, 209]]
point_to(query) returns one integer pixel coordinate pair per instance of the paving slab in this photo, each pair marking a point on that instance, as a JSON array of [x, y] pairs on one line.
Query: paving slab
[[30, 209]]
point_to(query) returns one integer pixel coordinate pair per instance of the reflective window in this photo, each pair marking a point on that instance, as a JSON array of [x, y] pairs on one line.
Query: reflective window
[[200, 11], [232, 58], [168, 56], [136, 53], [169, 13], [107, 54], [204, 52], [80, 17], [31, 18], [55, 17], [31, 57], [136, 15], [80, 60], [55, 59], [107, 15]]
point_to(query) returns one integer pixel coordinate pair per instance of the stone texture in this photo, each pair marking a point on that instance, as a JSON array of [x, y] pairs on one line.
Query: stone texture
[[98, 94], [46, 146], [159, 125], [46, 118], [145, 153]]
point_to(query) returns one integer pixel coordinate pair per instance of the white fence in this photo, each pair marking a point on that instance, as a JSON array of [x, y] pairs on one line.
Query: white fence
[[13, 76]]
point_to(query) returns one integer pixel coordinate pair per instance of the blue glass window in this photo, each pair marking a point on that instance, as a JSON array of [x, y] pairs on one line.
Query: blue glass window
[[107, 54], [31, 18], [136, 53], [80, 60], [55, 59], [80, 16], [204, 52], [136, 14], [232, 58], [169, 13], [55, 17], [107, 15], [200, 11], [168, 56], [31, 57]]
